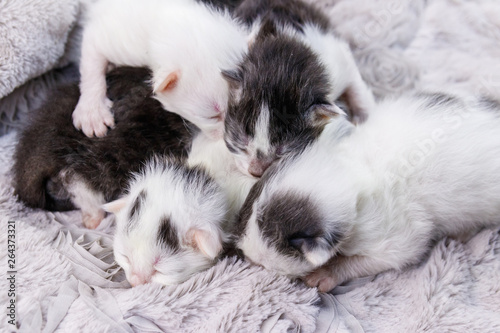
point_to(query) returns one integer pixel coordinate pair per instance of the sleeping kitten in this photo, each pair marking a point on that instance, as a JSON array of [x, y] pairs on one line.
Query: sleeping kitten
[[170, 224], [363, 200], [59, 168], [186, 44], [285, 89], [176, 217]]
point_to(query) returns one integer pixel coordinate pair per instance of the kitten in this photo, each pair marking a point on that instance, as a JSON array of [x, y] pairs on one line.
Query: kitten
[[362, 200], [176, 217], [169, 224], [59, 168], [284, 91], [186, 44]]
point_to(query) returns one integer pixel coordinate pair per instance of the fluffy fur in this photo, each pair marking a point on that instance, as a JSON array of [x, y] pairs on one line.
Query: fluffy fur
[[363, 200], [170, 223], [178, 215], [185, 43], [284, 91], [214, 156], [59, 168]]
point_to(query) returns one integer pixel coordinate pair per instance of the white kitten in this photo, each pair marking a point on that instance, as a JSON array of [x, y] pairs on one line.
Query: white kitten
[[185, 43], [366, 199], [170, 224], [176, 216]]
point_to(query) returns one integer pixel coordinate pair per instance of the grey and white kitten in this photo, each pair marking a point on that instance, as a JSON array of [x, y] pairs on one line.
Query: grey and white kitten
[[59, 168], [176, 217], [362, 200], [285, 89], [170, 224]]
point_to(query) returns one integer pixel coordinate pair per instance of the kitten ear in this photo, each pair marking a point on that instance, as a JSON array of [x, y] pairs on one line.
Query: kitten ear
[[168, 83], [208, 243], [233, 77], [115, 206], [321, 114], [316, 250]]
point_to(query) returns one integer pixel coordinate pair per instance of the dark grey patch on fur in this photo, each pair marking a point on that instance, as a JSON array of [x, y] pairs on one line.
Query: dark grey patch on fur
[[58, 197], [439, 99], [192, 178], [246, 210], [222, 4], [279, 72], [294, 13], [198, 178], [287, 76], [50, 143], [134, 211], [290, 222], [167, 235], [489, 104]]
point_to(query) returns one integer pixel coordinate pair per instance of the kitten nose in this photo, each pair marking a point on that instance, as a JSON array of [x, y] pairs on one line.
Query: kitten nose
[[137, 279], [257, 167]]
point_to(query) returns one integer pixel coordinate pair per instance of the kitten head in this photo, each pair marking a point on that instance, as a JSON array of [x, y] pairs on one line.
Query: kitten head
[[188, 79], [279, 103], [297, 216], [200, 98], [169, 225]]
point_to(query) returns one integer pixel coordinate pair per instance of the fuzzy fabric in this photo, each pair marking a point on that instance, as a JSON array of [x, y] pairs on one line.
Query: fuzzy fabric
[[33, 37], [38, 41], [67, 280]]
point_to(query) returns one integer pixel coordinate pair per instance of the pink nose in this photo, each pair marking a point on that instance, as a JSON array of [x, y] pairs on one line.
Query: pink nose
[[137, 279], [257, 167]]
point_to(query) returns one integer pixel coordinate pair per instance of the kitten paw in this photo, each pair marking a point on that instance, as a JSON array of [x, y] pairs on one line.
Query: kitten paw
[[91, 220], [93, 120], [322, 279]]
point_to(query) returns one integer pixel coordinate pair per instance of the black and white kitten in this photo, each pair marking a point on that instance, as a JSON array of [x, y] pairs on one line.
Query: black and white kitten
[[58, 168], [285, 89], [170, 224], [362, 200]]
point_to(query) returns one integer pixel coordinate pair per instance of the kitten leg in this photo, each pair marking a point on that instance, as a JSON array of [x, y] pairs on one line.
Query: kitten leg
[[342, 268], [88, 200], [92, 113]]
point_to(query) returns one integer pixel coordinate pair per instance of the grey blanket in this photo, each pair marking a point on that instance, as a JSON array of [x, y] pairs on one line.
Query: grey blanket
[[67, 280]]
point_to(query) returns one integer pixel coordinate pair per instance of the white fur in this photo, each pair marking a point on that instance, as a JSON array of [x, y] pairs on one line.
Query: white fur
[[189, 208], [214, 156], [174, 36], [86, 199], [411, 173], [259, 143], [261, 135]]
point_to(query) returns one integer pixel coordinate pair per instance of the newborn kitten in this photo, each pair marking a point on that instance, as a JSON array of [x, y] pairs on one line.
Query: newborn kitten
[[170, 223], [362, 200], [59, 168], [284, 91], [186, 44], [176, 217]]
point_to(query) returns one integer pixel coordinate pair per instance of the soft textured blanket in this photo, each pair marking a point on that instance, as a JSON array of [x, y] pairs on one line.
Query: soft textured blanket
[[66, 279]]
